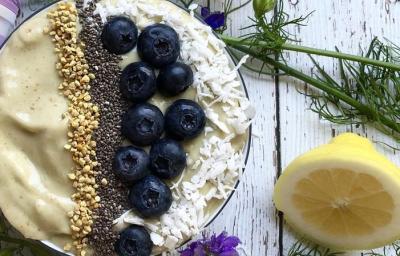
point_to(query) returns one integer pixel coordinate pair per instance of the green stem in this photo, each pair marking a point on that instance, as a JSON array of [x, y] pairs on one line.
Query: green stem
[[366, 110], [234, 42]]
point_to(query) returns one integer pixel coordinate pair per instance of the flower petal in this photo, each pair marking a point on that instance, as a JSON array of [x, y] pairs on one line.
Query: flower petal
[[192, 248], [230, 242], [215, 20], [205, 12], [195, 244], [214, 244], [231, 252], [199, 251]]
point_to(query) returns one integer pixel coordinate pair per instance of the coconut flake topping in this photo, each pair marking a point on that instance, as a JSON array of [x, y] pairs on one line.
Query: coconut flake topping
[[216, 83]]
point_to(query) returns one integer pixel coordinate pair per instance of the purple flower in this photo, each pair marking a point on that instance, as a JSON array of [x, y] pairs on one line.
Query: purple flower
[[221, 245], [214, 19]]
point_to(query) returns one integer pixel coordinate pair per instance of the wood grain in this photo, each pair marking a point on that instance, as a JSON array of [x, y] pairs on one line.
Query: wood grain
[[349, 25]]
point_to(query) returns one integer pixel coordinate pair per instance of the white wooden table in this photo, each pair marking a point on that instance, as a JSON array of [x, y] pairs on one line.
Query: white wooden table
[[284, 127]]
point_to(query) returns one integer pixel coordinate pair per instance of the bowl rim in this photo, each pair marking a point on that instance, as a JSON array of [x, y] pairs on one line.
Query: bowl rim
[[245, 150]]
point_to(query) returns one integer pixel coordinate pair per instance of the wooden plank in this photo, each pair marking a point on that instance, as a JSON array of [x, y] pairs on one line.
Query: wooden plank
[[348, 25]]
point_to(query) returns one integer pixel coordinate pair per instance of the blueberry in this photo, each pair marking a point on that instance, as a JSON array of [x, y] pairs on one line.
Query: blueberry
[[184, 119], [119, 35], [150, 196], [167, 158], [134, 241], [131, 163], [138, 82], [143, 124], [158, 45], [174, 79]]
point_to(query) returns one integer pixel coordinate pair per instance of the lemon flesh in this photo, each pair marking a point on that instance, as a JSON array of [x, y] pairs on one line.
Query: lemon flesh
[[343, 195]]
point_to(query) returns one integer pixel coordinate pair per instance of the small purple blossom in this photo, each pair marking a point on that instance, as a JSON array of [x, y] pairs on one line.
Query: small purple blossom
[[214, 19], [221, 245]]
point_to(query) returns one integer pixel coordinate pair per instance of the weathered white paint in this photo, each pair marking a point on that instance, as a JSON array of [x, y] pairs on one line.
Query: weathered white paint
[[347, 24]]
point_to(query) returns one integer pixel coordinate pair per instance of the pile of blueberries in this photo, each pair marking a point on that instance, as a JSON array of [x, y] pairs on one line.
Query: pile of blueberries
[[143, 124]]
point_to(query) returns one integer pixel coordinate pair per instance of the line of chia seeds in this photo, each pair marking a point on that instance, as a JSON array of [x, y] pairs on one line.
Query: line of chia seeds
[[105, 93]]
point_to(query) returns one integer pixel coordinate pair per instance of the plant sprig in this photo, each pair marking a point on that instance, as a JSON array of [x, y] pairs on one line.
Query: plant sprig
[[354, 108], [304, 248], [376, 88], [271, 36], [10, 244], [386, 250], [270, 33], [367, 91]]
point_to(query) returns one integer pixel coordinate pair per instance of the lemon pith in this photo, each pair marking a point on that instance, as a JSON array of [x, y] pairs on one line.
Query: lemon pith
[[343, 195]]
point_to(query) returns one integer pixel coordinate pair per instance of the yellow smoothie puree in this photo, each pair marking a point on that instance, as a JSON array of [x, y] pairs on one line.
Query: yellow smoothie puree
[[34, 188]]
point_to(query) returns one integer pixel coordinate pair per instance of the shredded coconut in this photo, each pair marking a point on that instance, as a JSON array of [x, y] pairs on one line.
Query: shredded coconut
[[217, 86]]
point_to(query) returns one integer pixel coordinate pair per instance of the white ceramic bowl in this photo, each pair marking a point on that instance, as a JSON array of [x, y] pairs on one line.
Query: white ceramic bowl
[[246, 149]]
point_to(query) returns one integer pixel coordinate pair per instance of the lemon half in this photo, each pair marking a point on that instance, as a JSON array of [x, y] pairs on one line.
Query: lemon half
[[343, 195]]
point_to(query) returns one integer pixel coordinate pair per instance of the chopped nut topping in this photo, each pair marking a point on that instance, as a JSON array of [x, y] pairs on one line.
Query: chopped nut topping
[[83, 116]]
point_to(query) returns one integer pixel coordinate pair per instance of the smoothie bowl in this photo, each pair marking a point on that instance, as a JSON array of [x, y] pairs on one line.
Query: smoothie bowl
[[125, 127]]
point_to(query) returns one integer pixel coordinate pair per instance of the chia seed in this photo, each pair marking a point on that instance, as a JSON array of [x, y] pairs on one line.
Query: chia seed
[[105, 93]]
